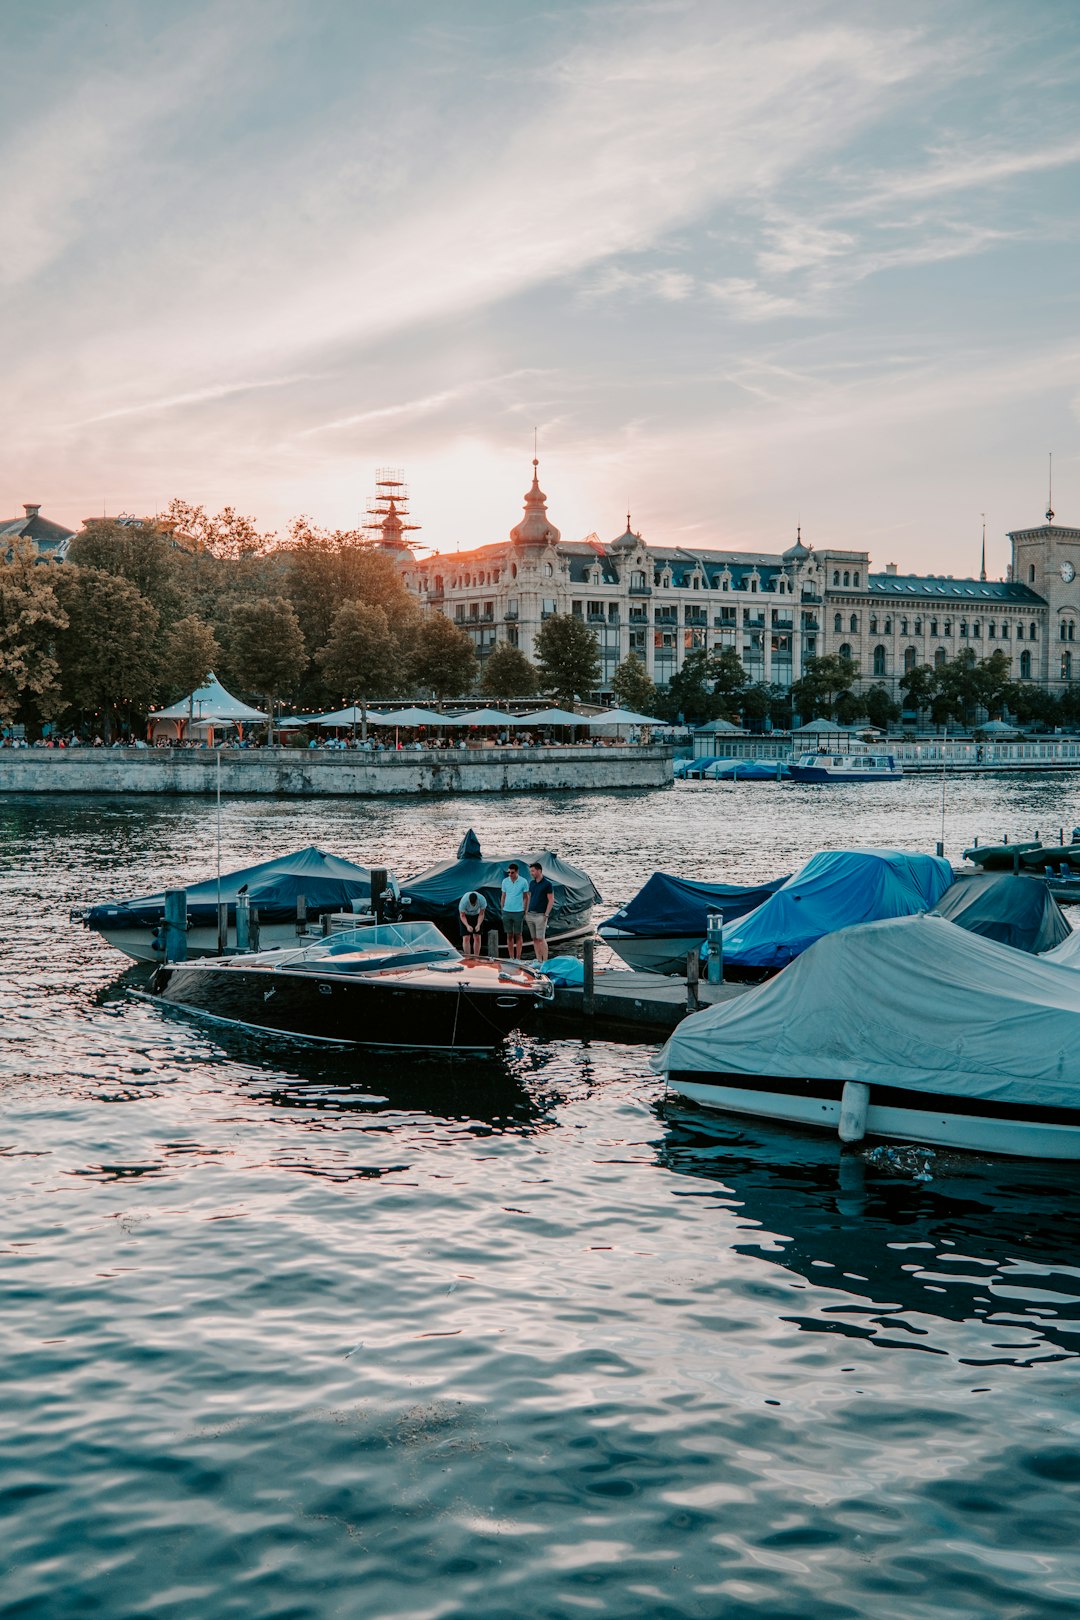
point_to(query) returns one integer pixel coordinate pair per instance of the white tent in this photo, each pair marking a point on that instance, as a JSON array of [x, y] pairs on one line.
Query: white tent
[[950, 1013], [623, 717], [554, 717], [414, 717], [483, 717], [209, 702]]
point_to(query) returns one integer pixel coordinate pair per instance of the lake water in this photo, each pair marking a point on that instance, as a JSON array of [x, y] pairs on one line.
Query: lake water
[[292, 1335]]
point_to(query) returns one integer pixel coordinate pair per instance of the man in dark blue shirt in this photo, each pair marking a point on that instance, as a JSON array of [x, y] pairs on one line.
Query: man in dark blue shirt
[[541, 900]]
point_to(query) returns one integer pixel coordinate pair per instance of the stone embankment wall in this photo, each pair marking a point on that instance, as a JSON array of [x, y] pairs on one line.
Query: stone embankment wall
[[298, 772]]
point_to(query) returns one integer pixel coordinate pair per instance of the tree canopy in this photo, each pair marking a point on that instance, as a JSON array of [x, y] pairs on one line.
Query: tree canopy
[[108, 649], [634, 688], [443, 658], [31, 616], [568, 655], [508, 673]]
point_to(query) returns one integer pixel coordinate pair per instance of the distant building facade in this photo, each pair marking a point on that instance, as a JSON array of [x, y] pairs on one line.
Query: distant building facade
[[51, 539], [775, 610]]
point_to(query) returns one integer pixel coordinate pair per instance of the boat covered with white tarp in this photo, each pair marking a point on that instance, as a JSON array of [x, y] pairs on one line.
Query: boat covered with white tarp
[[910, 1028]]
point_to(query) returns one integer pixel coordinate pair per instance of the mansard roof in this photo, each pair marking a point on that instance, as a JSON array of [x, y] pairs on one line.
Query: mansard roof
[[50, 538], [962, 592]]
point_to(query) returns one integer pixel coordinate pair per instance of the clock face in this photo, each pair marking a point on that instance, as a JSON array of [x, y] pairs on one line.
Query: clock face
[[1068, 572]]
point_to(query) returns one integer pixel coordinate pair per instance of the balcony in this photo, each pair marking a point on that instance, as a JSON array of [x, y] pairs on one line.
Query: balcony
[[641, 590], [596, 618], [697, 617], [510, 614], [662, 617]]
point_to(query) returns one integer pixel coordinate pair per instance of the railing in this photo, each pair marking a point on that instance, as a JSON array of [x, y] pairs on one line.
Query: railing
[[641, 590]]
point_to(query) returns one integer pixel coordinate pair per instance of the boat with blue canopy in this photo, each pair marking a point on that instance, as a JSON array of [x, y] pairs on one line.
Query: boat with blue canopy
[[668, 917]]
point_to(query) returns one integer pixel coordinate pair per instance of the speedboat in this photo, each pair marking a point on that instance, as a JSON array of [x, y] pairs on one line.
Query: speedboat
[[845, 765], [911, 1029], [669, 917], [835, 889], [434, 894], [392, 985], [326, 883]]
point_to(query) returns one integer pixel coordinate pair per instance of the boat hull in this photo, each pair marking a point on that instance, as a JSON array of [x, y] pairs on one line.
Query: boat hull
[[144, 944], [974, 1124], [822, 773], [419, 1009], [664, 953]]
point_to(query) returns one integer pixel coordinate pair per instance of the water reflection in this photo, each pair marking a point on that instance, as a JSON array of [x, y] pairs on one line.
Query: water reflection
[[890, 1243]]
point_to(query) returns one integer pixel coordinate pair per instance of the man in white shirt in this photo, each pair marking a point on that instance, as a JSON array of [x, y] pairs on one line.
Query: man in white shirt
[[471, 911], [515, 890]]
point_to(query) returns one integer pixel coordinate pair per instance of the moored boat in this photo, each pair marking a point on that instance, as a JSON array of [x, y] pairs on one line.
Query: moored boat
[[394, 985], [668, 918], [1017, 911], [849, 764], [911, 1029], [327, 883]]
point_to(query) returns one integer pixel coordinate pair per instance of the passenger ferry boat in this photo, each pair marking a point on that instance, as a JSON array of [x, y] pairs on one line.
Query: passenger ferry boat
[[849, 764]]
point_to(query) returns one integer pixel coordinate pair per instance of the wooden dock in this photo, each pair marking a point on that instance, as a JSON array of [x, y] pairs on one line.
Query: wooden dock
[[631, 1006]]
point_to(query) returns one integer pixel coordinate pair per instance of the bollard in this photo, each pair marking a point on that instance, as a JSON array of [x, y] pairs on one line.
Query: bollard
[[176, 925], [243, 922], [493, 944], [693, 969], [301, 913], [715, 941], [379, 880], [939, 848], [325, 924], [222, 927], [588, 983], [255, 928]]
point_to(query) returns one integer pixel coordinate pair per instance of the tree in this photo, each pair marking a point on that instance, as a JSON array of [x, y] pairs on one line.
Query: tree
[[362, 656], [824, 680], [444, 660], [266, 648], [918, 686], [633, 687], [569, 658], [30, 618], [728, 678], [508, 673], [689, 694], [141, 553], [880, 708], [108, 650], [189, 651], [228, 534]]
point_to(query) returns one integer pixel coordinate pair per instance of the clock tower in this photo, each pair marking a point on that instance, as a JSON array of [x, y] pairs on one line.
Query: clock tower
[[1047, 561]]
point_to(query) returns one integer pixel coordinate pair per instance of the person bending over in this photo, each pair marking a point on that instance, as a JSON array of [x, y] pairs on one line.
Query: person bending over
[[471, 912]]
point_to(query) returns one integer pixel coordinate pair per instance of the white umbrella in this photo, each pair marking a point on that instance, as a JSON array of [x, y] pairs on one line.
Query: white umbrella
[[414, 717], [554, 717], [623, 717], [483, 717], [347, 717]]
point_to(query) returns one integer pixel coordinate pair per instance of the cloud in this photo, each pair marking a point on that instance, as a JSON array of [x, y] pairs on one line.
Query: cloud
[[409, 410]]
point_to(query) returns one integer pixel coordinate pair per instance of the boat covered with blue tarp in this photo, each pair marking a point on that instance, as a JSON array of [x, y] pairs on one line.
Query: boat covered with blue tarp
[[1015, 910], [669, 917], [835, 889]]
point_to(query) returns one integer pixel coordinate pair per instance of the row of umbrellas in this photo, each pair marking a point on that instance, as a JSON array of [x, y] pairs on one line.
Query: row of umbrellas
[[482, 717]]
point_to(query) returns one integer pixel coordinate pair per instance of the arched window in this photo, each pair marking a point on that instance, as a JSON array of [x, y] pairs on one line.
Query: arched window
[[948, 628], [855, 578], [836, 576], [873, 624], [918, 627], [933, 627], [909, 658], [1031, 573], [903, 627], [879, 660], [1004, 629], [939, 658], [976, 629], [1025, 666], [838, 623], [1019, 632], [1072, 630], [1031, 632], [1066, 666], [963, 629], [1063, 634], [845, 650], [847, 577], [854, 626], [888, 627]]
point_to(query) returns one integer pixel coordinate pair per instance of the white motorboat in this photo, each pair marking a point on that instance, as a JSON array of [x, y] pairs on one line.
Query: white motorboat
[[850, 764], [911, 1029]]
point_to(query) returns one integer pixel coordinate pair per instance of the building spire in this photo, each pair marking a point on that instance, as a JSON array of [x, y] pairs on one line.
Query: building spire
[[1050, 492], [982, 565]]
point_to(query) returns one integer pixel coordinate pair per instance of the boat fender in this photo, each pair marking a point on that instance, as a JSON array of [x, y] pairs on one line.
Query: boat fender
[[854, 1105]]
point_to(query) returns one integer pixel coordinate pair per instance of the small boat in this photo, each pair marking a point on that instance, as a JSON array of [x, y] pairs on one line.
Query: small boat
[[835, 889], [911, 1029], [327, 883], [668, 918], [393, 985], [850, 764], [1044, 860], [434, 894], [1017, 911], [745, 770]]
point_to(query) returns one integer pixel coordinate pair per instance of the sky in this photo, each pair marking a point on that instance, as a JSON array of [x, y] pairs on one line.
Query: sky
[[740, 267]]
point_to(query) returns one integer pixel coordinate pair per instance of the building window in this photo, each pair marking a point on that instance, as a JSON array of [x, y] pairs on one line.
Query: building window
[[909, 658], [845, 650], [847, 577], [855, 578], [838, 623], [1025, 666], [976, 630], [1005, 630], [903, 627], [879, 660], [548, 570], [947, 631], [888, 627], [1066, 666], [991, 631], [836, 576], [939, 658], [854, 626], [933, 627], [963, 629], [1031, 573], [1019, 632], [1031, 632], [873, 624], [918, 627]]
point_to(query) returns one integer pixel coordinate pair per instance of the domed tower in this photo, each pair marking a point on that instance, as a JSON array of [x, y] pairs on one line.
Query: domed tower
[[535, 528], [798, 553], [628, 541]]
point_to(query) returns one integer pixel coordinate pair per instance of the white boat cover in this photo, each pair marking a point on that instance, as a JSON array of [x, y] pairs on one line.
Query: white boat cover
[[912, 1002], [1067, 954]]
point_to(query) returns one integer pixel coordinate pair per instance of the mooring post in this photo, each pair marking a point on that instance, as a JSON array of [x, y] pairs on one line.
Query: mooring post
[[175, 925], [939, 848], [693, 968], [243, 922], [493, 944], [379, 880], [255, 928], [222, 927], [301, 913], [715, 940], [325, 923], [588, 981]]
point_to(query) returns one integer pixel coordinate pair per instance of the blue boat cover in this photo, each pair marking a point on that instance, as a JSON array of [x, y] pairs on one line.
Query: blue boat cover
[[835, 889], [1015, 910], [747, 770], [327, 883], [435, 894], [676, 906]]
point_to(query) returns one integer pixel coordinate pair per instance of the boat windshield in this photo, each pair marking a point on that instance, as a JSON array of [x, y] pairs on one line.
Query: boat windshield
[[366, 947]]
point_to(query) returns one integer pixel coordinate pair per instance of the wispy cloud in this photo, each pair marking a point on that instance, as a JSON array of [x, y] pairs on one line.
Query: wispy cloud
[[411, 409], [198, 396]]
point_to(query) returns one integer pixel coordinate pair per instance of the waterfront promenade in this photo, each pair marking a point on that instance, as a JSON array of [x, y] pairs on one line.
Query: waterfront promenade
[[962, 755], [301, 772]]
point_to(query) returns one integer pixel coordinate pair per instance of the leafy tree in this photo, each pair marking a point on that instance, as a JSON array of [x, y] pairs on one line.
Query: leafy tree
[[569, 658], [189, 652], [879, 707], [227, 535], [266, 648], [30, 617], [633, 687], [362, 656], [508, 673], [755, 706], [444, 660], [728, 680], [690, 691], [108, 650], [151, 560], [816, 694], [918, 687]]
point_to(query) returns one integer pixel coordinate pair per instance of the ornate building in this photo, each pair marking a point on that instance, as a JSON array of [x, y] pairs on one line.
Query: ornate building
[[775, 610]]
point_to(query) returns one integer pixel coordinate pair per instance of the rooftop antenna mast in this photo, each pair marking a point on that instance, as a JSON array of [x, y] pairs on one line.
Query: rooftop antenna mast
[[982, 568], [1050, 492]]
